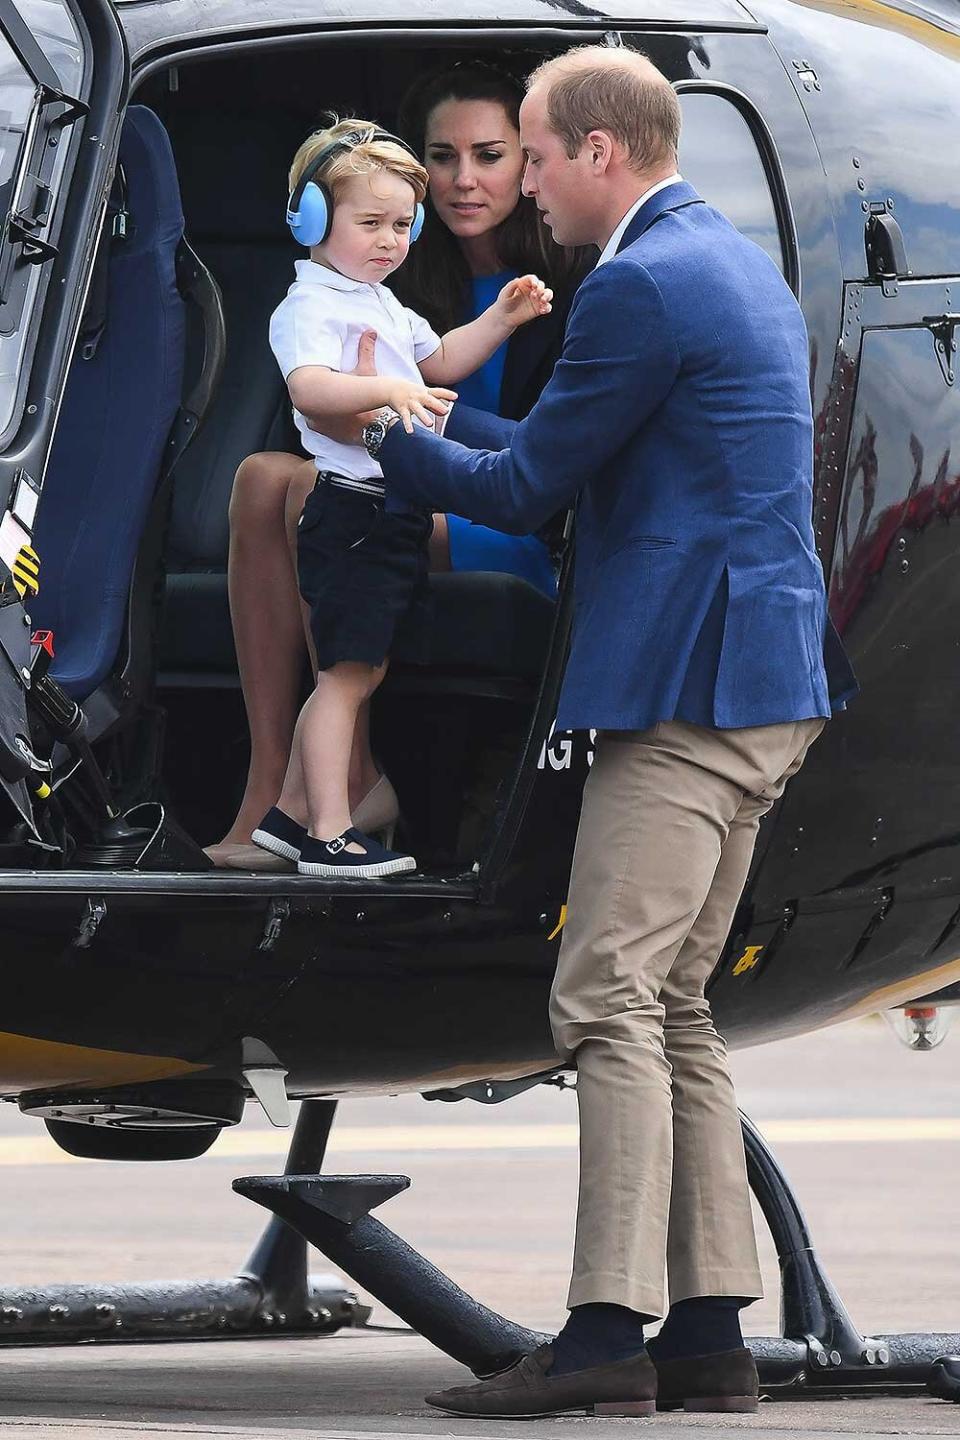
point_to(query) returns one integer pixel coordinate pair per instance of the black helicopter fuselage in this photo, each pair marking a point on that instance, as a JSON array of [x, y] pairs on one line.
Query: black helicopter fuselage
[[119, 977]]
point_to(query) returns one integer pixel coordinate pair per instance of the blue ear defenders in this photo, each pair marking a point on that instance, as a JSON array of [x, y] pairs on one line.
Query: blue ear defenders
[[310, 207]]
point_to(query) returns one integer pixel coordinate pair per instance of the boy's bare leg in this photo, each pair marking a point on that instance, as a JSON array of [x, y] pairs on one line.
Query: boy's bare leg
[[267, 622], [320, 758], [363, 770]]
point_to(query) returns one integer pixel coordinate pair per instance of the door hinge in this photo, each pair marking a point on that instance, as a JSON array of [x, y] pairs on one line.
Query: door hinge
[[886, 251], [94, 913], [277, 912], [944, 330]]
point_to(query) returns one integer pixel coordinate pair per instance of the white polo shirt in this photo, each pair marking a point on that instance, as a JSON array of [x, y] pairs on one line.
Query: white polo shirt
[[319, 322]]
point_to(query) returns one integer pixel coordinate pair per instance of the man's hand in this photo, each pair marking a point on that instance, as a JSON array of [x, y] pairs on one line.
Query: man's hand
[[523, 299]]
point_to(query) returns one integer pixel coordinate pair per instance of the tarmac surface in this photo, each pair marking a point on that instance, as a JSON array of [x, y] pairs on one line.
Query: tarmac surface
[[868, 1132]]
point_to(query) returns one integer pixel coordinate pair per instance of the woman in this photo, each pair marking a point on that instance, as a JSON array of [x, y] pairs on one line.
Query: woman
[[479, 230]]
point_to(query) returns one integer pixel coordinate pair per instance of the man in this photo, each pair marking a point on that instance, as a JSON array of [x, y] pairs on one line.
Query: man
[[678, 419]]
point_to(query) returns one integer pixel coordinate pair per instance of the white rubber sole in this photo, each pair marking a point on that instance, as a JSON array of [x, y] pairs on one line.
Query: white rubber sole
[[359, 872], [266, 841]]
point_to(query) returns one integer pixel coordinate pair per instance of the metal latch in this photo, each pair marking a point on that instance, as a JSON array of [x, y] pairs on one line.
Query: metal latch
[[944, 329], [806, 75]]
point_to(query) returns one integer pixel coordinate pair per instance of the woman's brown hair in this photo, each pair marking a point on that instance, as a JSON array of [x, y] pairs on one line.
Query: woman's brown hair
[[435, 278]]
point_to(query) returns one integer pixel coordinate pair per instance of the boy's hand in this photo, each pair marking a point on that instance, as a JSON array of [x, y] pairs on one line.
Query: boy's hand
[[523, 299], [423, 401]]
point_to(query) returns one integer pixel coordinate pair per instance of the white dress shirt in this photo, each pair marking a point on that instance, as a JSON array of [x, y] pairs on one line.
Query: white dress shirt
[[319, 322], [610, 249]]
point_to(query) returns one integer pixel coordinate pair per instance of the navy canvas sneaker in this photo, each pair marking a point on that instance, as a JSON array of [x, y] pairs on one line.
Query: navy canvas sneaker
[[328, 859], [279, 834]]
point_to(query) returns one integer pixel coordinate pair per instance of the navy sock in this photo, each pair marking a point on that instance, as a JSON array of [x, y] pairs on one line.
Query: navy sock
[[597, 1334], [703, 1325]]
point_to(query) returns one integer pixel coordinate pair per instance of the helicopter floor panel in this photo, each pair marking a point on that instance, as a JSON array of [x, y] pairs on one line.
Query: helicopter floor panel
[[229, 882]]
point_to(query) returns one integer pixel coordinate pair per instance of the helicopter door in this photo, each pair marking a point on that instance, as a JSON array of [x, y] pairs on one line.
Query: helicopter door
[[875, 811], [63, 75]]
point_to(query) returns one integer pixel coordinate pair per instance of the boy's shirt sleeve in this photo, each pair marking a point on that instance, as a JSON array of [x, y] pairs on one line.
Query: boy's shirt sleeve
[[425, 339], [304, 331]]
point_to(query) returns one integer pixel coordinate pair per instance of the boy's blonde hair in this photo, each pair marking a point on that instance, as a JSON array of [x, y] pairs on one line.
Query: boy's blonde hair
[[366, 158]]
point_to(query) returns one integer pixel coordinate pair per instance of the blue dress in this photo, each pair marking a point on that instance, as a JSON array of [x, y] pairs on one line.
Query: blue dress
[[476, 547]]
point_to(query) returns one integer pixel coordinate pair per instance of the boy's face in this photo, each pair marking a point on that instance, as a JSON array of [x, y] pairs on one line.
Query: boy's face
[[370, 236]]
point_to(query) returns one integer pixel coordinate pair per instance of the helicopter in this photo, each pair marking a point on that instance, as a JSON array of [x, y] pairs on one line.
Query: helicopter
[[144, 147]]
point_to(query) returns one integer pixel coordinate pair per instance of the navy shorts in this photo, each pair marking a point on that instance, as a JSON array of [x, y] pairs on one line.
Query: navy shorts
[[363, 572]]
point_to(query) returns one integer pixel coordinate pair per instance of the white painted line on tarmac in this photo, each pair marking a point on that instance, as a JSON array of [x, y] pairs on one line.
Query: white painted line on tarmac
[[377, 1140], [123, 1429]]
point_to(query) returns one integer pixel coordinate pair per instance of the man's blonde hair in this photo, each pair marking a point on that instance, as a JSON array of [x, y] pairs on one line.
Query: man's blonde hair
[[595, 88], [365, 158]]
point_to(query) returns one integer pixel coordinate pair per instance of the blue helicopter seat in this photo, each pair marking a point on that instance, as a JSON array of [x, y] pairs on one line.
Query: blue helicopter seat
[[122, 395]]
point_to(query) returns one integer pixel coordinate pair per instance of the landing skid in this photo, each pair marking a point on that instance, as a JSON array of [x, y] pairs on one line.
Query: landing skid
[[820, 1350], [273, 1295]]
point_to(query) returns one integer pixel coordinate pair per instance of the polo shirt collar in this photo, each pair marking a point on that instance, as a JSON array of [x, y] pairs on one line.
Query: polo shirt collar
[[314, 274]]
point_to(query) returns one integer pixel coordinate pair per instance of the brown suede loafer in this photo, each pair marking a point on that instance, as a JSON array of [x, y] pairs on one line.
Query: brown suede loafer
[[724, 1382], [627, 1387]]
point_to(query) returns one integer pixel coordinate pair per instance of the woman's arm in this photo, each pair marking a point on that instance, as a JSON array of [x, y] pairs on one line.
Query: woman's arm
[[468, 347], [323, 395]]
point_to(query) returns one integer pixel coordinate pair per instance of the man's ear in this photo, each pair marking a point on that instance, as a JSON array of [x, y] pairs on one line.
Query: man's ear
[[600, 147]]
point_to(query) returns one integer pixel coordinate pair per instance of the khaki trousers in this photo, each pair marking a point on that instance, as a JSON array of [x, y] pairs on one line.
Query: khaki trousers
[[668, 827]]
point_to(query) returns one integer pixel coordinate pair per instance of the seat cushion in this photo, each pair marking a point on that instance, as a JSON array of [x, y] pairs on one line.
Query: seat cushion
[[482, 623]]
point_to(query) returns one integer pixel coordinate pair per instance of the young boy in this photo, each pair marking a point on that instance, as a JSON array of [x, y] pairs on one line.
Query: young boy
[[361, 569]]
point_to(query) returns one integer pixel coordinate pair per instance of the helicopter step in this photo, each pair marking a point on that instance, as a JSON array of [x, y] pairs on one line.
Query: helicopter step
[[820, 1351], [332, 1213]]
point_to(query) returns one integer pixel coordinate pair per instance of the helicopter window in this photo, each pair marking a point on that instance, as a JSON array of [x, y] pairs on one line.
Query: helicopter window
[[719, 155], [41, 61]]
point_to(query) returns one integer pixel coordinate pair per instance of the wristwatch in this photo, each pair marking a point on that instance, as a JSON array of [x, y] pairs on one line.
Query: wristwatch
[[374, 432]]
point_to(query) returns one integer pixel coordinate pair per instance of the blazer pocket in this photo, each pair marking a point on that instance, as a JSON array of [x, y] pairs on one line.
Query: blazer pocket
[[642, 542]]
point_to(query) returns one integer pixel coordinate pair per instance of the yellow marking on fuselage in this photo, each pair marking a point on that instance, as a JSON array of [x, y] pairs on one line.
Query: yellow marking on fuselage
[[27, 1063], [887, 17], [747, 960], [901, 992], [374, 1140], [561, 921]]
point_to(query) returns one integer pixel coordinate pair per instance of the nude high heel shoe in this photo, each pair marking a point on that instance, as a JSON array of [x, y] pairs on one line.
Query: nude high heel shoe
[[378, 811]]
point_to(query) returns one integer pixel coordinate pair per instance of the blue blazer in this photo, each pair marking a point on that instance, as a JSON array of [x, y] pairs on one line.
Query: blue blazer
[[678, 420]]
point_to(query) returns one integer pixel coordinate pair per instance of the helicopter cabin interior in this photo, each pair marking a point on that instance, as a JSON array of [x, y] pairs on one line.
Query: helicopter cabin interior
[[133, 526]]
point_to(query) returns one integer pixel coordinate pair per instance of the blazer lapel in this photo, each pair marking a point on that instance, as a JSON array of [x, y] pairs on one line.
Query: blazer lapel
[[672, 197]]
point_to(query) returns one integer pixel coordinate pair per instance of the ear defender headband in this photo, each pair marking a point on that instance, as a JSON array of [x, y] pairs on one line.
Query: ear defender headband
[[310, 207]]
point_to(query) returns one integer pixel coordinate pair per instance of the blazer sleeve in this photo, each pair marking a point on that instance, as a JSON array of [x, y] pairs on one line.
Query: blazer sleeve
[[479, 429], [619, 361]]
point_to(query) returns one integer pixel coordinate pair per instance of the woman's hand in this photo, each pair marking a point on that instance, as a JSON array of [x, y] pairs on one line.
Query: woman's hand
[[524, 299], [410, 398]]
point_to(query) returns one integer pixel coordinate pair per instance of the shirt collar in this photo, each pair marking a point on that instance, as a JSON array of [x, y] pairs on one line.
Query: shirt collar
[[314, 274], [610, 249]]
